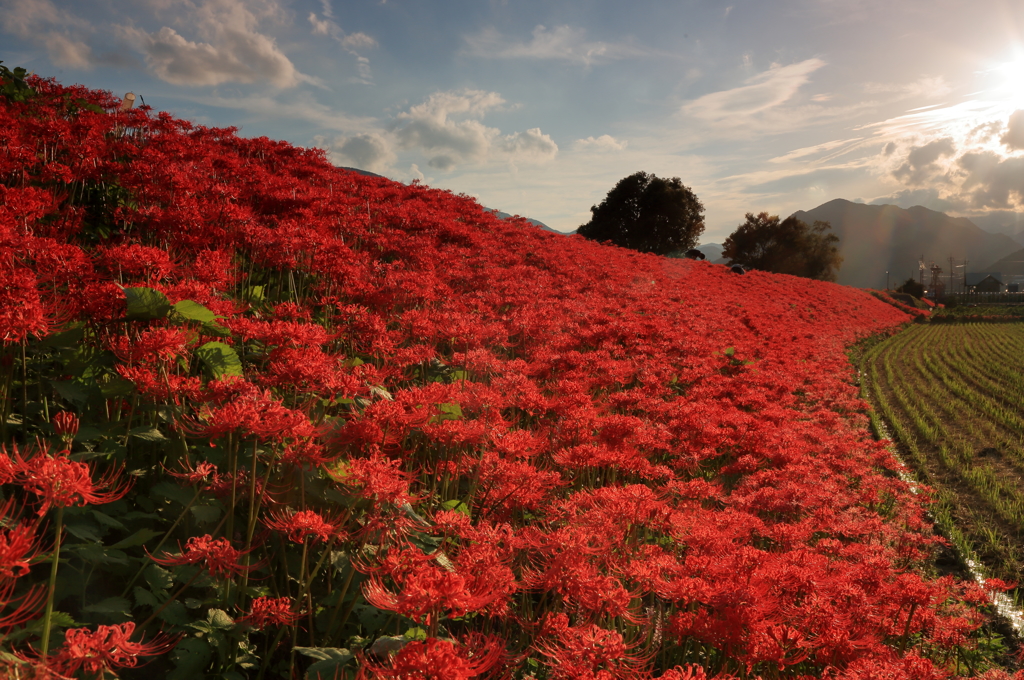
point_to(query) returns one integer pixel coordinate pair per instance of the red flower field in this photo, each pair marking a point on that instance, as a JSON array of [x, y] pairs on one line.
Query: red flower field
[[280, 420]]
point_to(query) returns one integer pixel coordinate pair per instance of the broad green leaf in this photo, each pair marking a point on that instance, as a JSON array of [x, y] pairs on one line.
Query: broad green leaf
[[220, 360], [175, 614], [173, 492], [146, 304], [329, 661], [148, 434], [254, 293], [116, 386], [190, 657], [88, 433], [111, 605], [218, 618], [144, 598], [107, 520], [69, 339], [193, 311], [87, 532], [456, 505], [450, 411], [71, 391], [205, 514], [93, 552], [138, 538], [158, 578]]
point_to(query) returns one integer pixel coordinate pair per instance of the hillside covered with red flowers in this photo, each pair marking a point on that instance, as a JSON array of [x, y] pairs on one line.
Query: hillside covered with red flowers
[[282, 420]]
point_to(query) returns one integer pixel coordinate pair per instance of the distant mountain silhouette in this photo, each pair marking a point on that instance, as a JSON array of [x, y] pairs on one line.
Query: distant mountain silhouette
[[876, 238], [1011, 265], [536, 223], [712, 251]]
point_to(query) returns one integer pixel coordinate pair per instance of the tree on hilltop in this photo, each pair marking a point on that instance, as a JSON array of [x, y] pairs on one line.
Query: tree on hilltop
[[786, 246], [647, 213]]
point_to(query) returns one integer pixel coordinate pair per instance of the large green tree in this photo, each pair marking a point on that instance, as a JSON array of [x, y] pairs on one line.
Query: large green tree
[[647, 213], [788, 246]]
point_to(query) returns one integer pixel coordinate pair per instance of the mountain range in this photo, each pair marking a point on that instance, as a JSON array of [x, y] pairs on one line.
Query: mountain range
[[875, 239]]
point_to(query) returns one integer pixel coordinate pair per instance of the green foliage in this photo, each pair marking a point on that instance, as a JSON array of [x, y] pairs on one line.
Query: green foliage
[[786, 246], [146, 304], [911, 287], [220, 360], [647, 213], [13, 85]]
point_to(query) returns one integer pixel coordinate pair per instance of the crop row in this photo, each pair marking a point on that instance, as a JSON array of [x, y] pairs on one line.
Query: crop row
[[949, 393]]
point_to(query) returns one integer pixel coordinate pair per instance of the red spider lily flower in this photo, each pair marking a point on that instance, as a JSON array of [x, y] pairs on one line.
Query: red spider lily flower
[[305, 524], [425, 590], [21, 311], [17, 548], [271, 611], [26, 606], [214, 555], [434, 659], [192, 475], [65, 424], [61, 482], [104, 649]]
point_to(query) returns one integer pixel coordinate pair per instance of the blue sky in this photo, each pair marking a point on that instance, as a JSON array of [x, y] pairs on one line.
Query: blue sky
[[539, 108]]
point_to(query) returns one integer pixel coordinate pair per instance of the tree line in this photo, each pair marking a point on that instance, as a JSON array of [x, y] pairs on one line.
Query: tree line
[[652, 214]]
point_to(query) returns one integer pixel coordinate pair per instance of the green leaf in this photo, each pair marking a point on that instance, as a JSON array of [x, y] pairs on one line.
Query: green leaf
[[87, 532], [158, 578], [205, 514], [144, 598], [175, 614], [88, 433], [415, 634], [254, 294], [69, 339], [94, 552], [219, 619], [147, 434], [107, 520], [329, 661], [146, 304], [71, 391], [456, 505], [220, 360], [116, 386], [138, 538], [174, 492], [193, 311], [190, 656], [450, 411], [111, 605]]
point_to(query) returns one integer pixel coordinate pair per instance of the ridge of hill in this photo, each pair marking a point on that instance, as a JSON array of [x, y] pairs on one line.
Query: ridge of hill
[[874, 239], [305, 420]]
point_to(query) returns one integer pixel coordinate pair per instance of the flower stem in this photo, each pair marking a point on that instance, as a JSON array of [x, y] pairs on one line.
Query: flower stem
[[48, 614]]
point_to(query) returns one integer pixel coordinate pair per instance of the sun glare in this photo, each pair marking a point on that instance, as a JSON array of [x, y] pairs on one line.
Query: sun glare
[[1009, 78]]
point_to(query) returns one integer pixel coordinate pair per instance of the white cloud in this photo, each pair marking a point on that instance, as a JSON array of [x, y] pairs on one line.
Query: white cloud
[[351, 42], [1014, 137], [562, 43], [358, 41], [762, 92], [59, 31], [925, 86], [447, 129], [65, 51], [369, 151], [320, 27], [531, 146], [602, 143], [230, 47]]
